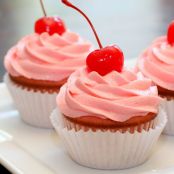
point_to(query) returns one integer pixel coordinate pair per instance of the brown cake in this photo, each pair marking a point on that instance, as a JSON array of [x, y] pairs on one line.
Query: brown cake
[[95, 123], [38, 85], [165, 93]]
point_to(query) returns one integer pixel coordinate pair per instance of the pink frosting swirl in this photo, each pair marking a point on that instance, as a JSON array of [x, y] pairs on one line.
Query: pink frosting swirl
[[45, 57], [117, 96], [157, 63]]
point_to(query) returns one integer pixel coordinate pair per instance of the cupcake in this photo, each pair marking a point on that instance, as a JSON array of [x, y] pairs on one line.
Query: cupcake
[[38, 65], [107, 116], [117, 114], [157, 63]]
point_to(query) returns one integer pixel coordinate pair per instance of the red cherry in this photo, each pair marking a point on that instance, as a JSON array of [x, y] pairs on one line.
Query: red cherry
[[50, 25], [106, 60], [170, 33]]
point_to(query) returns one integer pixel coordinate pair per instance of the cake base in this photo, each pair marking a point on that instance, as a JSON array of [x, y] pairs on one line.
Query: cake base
[[138, 123], [165, 93], [38, 85]]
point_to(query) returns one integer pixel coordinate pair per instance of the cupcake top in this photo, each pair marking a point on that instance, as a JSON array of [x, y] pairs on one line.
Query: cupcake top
[[157, 63], [47, 57], [117, 95]]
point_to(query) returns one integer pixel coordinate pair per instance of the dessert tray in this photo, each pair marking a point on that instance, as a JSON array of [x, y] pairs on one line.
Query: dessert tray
[[25, 149]]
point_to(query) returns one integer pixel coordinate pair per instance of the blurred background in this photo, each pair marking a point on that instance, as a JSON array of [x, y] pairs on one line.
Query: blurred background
[[131, 24]]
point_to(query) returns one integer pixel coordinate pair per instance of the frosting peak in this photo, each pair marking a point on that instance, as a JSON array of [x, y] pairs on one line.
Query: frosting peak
[[157, 63], [45, 57], [116, 96]]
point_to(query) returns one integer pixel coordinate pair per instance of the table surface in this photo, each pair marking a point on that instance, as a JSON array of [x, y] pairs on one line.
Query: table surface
[[131, 24]]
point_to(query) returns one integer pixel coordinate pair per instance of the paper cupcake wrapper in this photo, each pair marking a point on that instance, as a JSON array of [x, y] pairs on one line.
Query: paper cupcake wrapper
[[108, 150], [34, 107], [168, 106]]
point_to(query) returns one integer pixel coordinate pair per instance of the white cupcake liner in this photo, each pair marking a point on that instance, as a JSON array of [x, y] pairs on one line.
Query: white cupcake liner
[[109, 150], [168, 106], [34, 107]]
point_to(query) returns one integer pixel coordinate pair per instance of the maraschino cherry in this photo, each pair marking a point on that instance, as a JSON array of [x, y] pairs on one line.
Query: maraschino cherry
[[48, 24], [170, 33], [103, 60]]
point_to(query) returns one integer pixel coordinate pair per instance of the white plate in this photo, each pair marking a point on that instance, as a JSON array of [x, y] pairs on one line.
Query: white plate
[[25, 149]]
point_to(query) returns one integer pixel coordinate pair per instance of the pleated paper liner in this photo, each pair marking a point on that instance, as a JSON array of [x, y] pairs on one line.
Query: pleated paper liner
[[34, 106], [168, 105], [109, 150]]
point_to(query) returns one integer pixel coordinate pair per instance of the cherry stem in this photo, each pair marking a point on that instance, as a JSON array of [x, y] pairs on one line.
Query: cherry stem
[[43, 9], [66, 2]]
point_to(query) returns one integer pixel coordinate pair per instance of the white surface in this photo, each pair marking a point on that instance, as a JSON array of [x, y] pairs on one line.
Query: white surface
[[25, 149]]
